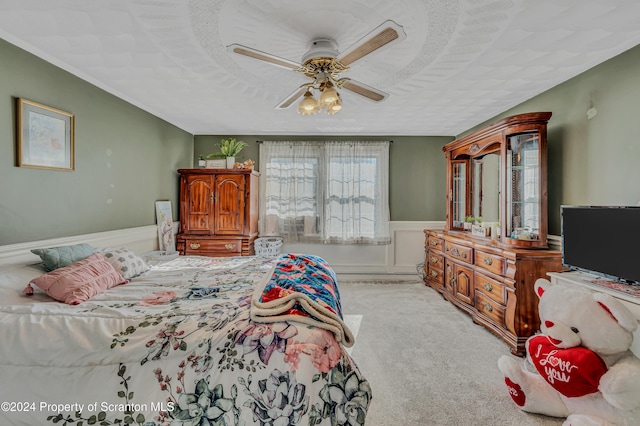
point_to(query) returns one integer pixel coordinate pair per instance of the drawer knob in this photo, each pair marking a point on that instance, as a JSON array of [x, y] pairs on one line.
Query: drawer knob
[[488, 261], [487, 286], [487, 307], [434, 259], [434, 243], [194, 246], [229, 246], [434, 274]]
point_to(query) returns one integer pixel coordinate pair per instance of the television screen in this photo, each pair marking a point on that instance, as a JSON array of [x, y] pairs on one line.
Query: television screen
[[602, 240]]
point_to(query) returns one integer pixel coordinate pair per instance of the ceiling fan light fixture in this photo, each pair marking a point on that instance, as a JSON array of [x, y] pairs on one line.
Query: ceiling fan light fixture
[[323, 64], [329, 95], [334, 106], [308, 105]]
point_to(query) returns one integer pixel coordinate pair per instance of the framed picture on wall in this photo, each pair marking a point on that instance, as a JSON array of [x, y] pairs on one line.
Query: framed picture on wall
[[45, 137]]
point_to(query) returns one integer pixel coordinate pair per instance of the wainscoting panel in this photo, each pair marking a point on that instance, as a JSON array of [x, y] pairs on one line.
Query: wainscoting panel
[[140, 239], [396, 261]]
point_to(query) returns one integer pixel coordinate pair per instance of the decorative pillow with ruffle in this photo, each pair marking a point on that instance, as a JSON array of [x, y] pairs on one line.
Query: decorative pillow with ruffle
[[80, 281]]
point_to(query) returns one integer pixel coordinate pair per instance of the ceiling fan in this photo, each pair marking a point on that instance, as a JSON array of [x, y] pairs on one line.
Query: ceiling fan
[[323, 64]]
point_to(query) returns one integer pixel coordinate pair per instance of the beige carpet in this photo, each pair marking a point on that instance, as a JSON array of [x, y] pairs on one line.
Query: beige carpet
[[427, 362]]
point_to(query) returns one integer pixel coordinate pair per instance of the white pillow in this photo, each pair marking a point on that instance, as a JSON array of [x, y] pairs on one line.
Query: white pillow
[[125, 261]]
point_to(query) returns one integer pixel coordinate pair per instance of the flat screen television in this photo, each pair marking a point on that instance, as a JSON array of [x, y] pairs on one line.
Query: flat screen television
[[604, 240]]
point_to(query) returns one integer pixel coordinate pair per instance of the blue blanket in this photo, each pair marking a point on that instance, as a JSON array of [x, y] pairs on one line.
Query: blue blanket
[[302, 288]]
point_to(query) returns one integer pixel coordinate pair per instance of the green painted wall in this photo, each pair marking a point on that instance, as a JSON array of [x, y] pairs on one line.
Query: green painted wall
[[125, 158], [417, 169], [592, 161]]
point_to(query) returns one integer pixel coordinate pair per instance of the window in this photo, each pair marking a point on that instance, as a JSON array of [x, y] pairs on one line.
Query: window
[[325, 192]]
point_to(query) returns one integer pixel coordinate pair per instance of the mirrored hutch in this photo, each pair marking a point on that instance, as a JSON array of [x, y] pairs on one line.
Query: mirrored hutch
[[494, 243]]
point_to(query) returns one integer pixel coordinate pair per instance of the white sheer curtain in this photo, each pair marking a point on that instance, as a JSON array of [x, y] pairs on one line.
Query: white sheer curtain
[[325, 192]]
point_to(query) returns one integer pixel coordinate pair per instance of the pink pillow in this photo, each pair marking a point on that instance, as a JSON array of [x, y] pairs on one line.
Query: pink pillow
[[79, 281]]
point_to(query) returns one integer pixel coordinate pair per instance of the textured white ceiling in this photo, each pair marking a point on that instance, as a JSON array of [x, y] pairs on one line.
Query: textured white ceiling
[[463, 61]]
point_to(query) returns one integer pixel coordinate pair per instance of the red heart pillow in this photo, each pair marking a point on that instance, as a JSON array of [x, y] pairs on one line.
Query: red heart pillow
[[573, 372]]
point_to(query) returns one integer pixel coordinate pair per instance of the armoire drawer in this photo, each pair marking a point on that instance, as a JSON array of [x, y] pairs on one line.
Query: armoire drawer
[[490, 287], [490, 262], [460, 252], [196, 246]]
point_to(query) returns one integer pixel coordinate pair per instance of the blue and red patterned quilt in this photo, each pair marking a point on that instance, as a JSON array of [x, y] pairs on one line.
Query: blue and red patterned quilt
[[302, 288]]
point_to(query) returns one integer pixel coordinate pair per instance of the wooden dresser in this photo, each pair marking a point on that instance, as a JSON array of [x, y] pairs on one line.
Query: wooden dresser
[[497, 179], [218, 212], [492, 284]]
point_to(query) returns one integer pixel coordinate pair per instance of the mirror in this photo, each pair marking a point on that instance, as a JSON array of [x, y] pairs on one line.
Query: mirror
[[486, 187]]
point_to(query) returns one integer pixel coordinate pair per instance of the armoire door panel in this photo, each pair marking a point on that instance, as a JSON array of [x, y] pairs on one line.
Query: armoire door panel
[[229, 205], [199, 197]]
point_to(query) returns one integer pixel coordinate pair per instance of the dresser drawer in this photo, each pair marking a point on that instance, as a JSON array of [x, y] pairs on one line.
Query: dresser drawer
[[225, 246], [435, 275], [489, 308], [460, 252], [490, 262], [434, 243], [490, 287], [435, 260]]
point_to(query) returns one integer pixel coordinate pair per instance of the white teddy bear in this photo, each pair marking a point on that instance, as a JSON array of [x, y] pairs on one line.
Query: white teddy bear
[[584, 369]]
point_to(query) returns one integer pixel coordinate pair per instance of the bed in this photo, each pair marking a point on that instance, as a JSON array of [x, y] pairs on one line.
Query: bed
[[187, 342]]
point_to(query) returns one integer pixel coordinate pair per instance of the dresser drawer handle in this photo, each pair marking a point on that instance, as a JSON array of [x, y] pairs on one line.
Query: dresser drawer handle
[[488, 261], [434, 259], [434, 243], [487, 307], [434, 274], [487, 286], [194, 246], [229, 246]]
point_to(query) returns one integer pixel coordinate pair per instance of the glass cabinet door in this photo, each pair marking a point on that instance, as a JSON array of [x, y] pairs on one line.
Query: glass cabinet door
[[459, 194], [524, 203]]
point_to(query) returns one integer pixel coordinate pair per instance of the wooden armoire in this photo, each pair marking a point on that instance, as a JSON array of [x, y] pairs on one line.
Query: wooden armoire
[[218, 212]]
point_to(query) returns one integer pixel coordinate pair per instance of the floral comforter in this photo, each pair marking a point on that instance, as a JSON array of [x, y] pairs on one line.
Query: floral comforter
[[175, 346]]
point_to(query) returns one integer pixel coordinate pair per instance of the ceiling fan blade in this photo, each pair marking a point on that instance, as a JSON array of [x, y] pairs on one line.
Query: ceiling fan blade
[[289, 100], [384, 35], [364, 90], [262, 56]]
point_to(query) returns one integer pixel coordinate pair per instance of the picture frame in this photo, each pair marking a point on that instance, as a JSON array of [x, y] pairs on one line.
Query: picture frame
[[44, 136], [217, 163], [164, 220]]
